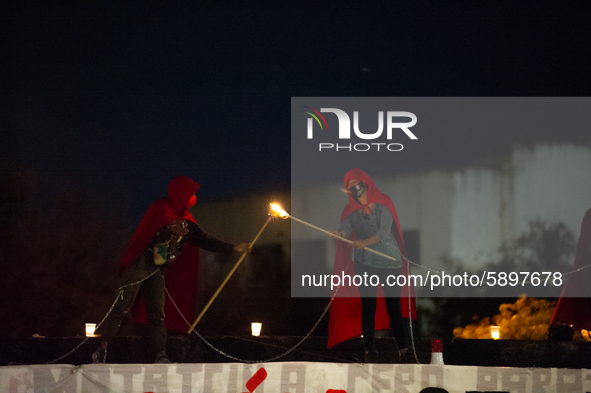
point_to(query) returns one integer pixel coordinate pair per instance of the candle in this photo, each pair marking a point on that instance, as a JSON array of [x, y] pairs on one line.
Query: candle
[[90, 327], [495, 332], [256, 328]]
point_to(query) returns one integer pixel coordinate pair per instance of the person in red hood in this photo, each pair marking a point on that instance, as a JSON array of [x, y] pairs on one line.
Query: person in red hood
[[370, 220], [572, 308], [164, 252]]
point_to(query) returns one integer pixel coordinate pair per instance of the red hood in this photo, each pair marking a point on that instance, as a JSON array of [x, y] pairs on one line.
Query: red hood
[[161, 213], [373, 194], [180, 189]]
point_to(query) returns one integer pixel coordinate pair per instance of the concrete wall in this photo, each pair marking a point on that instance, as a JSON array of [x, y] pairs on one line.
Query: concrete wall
[[552, 182], [492, 206], [464, 214]]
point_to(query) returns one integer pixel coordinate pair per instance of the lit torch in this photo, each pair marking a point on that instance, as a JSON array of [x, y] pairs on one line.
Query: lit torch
[[277, 211]]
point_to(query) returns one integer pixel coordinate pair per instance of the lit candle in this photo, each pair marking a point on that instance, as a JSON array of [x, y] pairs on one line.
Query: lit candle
[[90, 329], [495, 332], [256, 328]]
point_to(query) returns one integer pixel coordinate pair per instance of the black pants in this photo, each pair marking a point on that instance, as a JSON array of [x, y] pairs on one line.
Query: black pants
[[368, 305], [152, 291]]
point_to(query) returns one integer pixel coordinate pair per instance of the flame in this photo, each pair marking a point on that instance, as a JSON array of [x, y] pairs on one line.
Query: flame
[[277, 211]]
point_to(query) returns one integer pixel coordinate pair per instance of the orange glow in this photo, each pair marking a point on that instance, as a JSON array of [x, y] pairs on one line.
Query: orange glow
[[277, 211]]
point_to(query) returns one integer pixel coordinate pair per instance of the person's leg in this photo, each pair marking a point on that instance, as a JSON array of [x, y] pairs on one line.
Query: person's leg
[[368, 314], [397, 324], [154, 297], [110, 327], [131, 283], [392, 298]]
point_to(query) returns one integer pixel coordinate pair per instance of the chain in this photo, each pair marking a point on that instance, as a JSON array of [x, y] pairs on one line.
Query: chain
[[87, 338], [412, 337], [255, 361], [245, 360], [295, 346], [528, 282], [117, 298]]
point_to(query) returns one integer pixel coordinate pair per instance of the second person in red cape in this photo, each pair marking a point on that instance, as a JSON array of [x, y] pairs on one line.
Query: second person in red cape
[[370, 220], [164, 253], [574, 306]]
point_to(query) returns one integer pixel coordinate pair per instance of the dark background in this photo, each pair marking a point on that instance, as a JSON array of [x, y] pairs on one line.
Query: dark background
[[101, 106]]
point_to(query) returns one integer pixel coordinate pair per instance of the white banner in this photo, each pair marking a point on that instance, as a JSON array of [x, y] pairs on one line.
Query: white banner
[[294, 377]]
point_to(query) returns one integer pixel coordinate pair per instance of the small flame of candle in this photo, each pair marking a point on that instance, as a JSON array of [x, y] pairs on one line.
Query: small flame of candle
[[256, 328], [277, 211], [495, 332], [90, 328]]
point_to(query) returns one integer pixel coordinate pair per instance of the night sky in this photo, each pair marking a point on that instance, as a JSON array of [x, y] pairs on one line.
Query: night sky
[[118, 100]]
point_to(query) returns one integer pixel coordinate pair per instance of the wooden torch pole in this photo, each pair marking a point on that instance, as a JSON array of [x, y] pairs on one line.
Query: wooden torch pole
[[227, 278]]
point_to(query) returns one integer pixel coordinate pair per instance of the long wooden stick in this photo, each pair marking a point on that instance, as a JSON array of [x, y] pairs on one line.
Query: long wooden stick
[[227, 278], [340, 237]]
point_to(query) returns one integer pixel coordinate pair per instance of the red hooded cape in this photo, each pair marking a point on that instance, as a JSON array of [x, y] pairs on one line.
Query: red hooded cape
[[181, 276], [345, 311], [576, 311]]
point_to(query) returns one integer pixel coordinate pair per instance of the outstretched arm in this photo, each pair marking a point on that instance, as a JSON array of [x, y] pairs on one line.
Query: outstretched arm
[[211, 243], [344, 230]]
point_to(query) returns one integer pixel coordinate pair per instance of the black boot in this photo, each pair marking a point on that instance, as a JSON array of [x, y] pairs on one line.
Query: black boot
[[407, 355], [99, 356], [162, 358], [371, 356]]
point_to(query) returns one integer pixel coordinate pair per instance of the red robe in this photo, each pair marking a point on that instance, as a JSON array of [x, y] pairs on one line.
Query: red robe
[[576, 311], [345, 311], [181, 276]]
